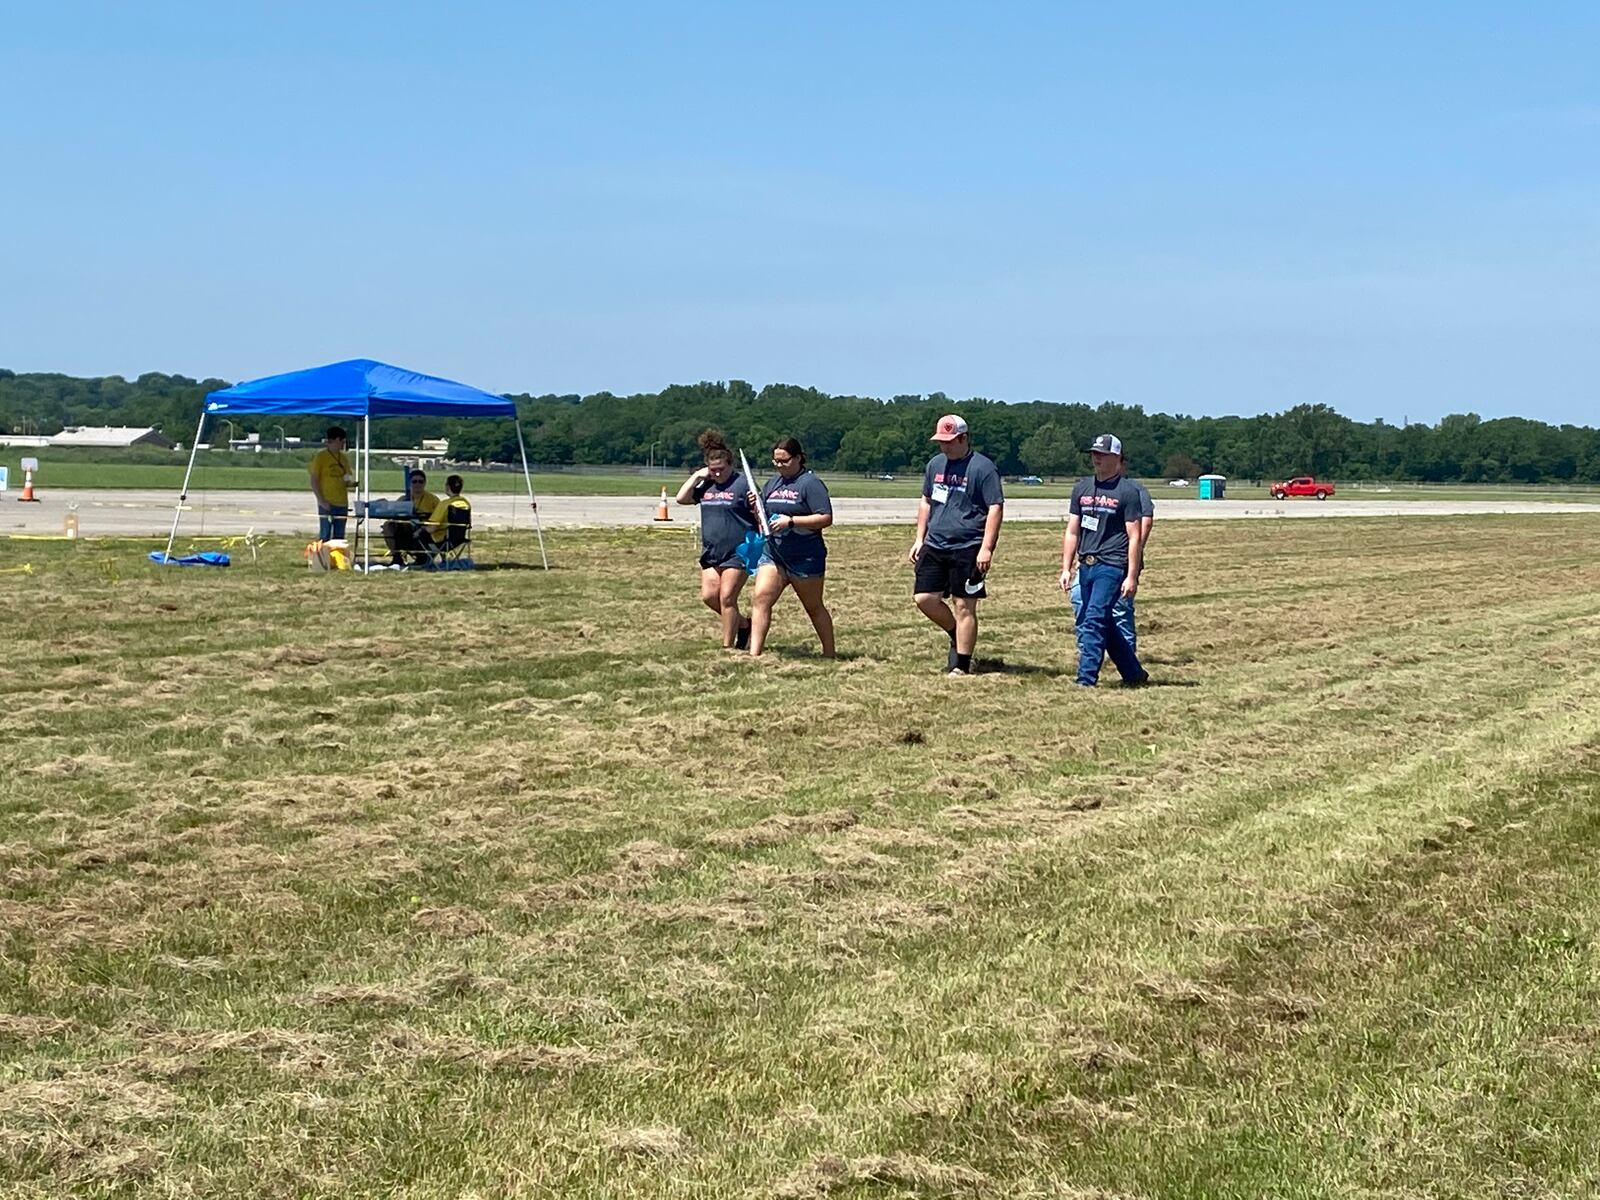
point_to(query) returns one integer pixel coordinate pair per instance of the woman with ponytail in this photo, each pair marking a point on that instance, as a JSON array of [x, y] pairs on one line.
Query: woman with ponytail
[[726, 515]]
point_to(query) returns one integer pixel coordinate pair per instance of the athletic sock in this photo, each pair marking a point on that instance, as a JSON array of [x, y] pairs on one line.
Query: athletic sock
[[950, 659], [964, 663]]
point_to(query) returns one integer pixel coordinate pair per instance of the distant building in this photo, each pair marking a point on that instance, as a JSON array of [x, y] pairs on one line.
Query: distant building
[[432, 450], [24, 439], [117, 437]]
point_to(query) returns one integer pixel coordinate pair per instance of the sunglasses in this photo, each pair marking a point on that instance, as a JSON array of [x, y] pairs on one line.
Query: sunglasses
[[781, 462]]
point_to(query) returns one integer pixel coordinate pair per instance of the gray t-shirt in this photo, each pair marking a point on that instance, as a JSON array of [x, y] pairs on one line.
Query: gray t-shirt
[[1103, 511], [1149, 511], [1147, 505], [959, 495], [803, 496], [725, 515]]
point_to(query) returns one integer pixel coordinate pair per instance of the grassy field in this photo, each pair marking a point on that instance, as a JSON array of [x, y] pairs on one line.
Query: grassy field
[[270, 472], [511, 884]]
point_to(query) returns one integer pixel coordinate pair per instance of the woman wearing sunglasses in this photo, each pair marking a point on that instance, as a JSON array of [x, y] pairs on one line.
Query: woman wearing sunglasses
[[798, 510]]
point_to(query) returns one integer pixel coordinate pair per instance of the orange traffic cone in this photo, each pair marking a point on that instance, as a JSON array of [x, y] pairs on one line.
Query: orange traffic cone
[[27, 488], [661, 509]]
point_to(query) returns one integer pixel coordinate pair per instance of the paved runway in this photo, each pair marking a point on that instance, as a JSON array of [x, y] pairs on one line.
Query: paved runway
[[136, 512]]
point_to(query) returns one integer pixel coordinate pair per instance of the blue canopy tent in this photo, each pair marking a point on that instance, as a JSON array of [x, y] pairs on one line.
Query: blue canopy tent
[[364, 389]]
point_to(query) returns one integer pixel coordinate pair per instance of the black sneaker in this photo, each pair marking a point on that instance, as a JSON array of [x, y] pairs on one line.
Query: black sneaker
[[1140, 680], [741, 640]]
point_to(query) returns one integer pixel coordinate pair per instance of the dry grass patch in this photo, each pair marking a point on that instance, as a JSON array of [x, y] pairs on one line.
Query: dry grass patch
[[781, 827], [618, 916], [418, 1046], [828, 1174], [648, 1141]]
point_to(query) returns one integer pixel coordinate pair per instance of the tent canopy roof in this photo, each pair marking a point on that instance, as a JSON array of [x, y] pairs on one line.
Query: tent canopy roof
[[359, 387]]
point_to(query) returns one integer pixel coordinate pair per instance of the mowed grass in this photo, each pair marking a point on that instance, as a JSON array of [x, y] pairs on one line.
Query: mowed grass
[[513, 884], [222, 471]]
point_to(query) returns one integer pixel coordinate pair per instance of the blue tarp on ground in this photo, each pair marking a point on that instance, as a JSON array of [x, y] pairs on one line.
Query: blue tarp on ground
[[359, 387], [206, 558]]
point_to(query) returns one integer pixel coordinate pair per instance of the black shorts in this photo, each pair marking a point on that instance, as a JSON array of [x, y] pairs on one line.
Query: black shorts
[[712, 560], [950, 573]]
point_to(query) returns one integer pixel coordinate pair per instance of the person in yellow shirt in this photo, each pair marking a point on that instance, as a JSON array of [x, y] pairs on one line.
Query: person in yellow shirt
[[437, 530], [331, 476], [404, 536]]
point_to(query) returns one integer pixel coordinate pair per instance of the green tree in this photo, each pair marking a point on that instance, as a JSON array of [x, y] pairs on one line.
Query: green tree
[[1181, 466], [1049, 450], [864, 434]]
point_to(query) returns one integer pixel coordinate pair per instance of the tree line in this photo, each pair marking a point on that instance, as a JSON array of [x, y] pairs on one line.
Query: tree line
[[864, 434]]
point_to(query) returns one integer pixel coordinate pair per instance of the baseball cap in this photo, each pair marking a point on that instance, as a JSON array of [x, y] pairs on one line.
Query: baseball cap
[[1106, 444], [949, 429]]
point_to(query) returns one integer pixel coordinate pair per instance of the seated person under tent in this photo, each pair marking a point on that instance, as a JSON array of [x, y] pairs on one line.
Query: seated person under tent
[[406, 537], [450, 526]]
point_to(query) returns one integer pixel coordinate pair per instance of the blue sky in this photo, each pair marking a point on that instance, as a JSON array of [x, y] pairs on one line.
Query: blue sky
[[1391, 209]]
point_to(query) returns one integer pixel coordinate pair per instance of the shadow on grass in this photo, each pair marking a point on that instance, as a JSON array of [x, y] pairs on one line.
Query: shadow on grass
[[999, 666], [812, 653]]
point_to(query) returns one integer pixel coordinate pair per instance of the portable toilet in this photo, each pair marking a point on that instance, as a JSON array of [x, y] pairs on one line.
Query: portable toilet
[[1211, 486]]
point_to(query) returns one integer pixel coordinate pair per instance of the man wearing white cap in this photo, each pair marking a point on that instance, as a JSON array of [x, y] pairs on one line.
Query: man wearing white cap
[[1122, 614], [958, 523], [1104, 544]]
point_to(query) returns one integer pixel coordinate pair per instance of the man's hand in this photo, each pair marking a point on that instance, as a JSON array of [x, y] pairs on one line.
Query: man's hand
[[985, 557], [1066, 579], [916, 552], [1130, 585]]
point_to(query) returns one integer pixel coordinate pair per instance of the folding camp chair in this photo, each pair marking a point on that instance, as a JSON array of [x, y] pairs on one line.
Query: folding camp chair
[[454, 552]]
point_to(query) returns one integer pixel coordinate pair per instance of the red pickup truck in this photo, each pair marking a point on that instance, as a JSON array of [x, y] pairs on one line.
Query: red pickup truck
[[1303, 486]]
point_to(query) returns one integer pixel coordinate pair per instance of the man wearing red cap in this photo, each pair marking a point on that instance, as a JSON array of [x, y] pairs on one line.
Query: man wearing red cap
[[958, 523]]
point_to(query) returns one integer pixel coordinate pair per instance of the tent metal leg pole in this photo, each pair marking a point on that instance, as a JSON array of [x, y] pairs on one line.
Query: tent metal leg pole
[[365, 491], [538, 526], [183, 493]]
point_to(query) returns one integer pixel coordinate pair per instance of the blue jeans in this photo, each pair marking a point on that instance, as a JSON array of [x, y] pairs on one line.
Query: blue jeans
[[1098, 634], [330, 522], [1121, 614]]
